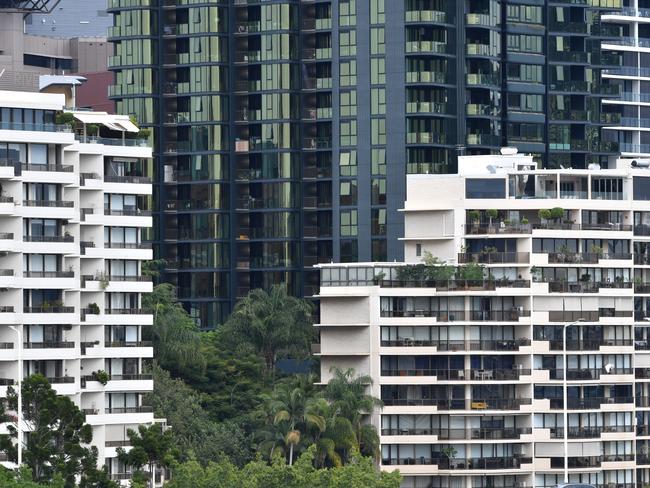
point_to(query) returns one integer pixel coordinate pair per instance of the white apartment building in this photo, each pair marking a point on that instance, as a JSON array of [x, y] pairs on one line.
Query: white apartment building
[[71, 218], [471, 369]]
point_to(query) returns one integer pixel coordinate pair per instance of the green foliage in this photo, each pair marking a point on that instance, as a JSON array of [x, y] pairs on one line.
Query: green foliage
[[92, 129], [492, 213], [176, 338], [101, 376], [437, 270], [153, 268], [58, 431], [270, 323], [544, 214], [93, 308], [194, 433], [474, 215], [232, 380], [471, 272], [359, 473], [412, 272], [64, 118], [23, 479], [557, 213], [151, 447]]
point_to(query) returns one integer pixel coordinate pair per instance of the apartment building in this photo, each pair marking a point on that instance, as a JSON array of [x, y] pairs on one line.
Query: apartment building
[[527, 362], [284, 129], [632, 77], [71, 215]]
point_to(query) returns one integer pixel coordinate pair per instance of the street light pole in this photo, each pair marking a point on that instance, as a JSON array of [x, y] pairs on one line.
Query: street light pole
[[565, 413], [19, 414]]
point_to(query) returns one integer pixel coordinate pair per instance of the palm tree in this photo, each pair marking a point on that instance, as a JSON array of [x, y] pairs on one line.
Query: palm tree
[[271, 322], [176, 338], [348, 397], [294, 409]]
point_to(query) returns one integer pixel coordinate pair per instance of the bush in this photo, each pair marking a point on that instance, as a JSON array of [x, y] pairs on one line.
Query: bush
[[544, 214], [93, 308], [101, 376]]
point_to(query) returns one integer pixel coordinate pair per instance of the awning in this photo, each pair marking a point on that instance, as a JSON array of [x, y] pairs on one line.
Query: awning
[[114, 122]]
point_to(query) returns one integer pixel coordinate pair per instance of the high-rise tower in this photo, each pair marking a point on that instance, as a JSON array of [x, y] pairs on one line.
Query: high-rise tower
[[284, 129]]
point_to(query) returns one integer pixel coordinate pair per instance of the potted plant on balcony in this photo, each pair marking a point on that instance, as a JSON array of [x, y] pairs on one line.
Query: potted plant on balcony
[[564, 256], [475, 217], [535, 273], [470, 272], [450, 453], [93, 308], [491, 213], [103, 280], [597, 250], [544, 215], [436, 269], [378, 278], [557, 214], [101, 376]]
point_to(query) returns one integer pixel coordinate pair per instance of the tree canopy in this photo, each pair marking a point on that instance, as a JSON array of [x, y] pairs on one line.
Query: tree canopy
[[359, 473], [272, 322]]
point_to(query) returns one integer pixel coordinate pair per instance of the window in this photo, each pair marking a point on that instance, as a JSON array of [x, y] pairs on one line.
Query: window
[[347, 13], [377, 40], [349, 73], [527, 73], [377, 12], [379, 250], [348, 223], [378, 128], [525, 43], [349, 250], [348, 103], [485, 188], [378, 195], [348, 43], [378, 159], [348, 133], [524, 13], [348, 192], [418, 250], [348, 163], [378, 101], [641, 188], [524, 102], [378, 221], [377, 71]]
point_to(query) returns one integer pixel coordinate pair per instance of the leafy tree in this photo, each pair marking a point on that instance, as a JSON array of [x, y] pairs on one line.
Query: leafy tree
[[176, 338], [544, 214], [272, 322], [471, 272], [360, 473], [492, 213], [151, 447], [193, 432], [557, 213], [232, 381], [57, 431], [437, 270]]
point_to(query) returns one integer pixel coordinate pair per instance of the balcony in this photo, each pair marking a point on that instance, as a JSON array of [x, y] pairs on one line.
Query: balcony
[[589, 344], [107, 141], [454, 346], [63, 238], [129, 344], [128, 179], [126, 311], [48, 203], [49, 345], [118, 410], [585, 286], [4, 125], [461, 315], [47, 167], [455, 285], [494, 257], [130, 212], [427, 47], [462, 404], [48, 274], [584, 258], [48, 309], [462, 374], [464, 434], [460, 463]]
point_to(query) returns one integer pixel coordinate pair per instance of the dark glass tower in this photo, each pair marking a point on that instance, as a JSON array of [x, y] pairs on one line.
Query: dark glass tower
[[284, 129]]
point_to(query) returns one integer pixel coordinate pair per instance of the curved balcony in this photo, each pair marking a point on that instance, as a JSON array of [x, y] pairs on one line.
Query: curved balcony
[[461, 463], [464, 434], [462, 374]]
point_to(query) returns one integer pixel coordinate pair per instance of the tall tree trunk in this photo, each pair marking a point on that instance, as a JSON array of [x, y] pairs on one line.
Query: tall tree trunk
[[291, 454]]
